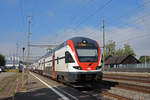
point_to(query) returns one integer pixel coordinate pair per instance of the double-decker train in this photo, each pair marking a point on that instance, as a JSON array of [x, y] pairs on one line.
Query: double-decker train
[[75, 60]]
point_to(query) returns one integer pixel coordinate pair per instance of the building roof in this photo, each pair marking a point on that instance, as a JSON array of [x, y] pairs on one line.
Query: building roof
[[129, 59]]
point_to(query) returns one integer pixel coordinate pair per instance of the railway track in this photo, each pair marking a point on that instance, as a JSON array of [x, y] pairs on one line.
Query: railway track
[[137, 88], [114, 95], [103, 92], [127, 86], [128, 78], [107, 85], [138, 85], [131, 76], [89, 87]]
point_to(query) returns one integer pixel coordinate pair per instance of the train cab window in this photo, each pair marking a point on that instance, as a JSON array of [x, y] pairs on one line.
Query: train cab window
[[87, 55], [68, 57]]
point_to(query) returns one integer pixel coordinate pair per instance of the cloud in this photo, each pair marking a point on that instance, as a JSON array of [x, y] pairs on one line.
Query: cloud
[[137, 37], [135, 32], [62, 35], [9, 47]]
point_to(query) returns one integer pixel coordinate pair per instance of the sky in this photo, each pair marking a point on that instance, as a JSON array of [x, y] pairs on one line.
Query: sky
[[54, 21]]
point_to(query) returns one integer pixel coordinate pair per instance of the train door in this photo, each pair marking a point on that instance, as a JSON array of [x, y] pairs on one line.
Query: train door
[[53, 66]]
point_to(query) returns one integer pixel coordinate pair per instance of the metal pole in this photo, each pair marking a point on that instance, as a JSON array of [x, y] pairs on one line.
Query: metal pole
[[23, 49], [103, 28], [145, 61], [13, 60], [28, 46], [16, 61]]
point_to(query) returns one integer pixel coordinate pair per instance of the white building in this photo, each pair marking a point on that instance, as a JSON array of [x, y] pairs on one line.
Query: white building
[[12, 62]]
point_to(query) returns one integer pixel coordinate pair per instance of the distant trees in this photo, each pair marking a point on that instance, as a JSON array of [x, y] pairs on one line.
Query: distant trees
[[110, 49], [144, 59], [119, 52], [2, 60], [128, 50]]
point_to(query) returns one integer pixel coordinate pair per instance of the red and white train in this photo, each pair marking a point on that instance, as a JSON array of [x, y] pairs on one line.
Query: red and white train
[[77, 59]]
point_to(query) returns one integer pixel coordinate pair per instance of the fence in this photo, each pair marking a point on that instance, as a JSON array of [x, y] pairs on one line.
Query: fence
[[142, 65], [129, 68]]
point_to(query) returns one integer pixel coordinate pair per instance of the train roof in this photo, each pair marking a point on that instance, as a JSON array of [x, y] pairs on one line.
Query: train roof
[[81, 39], [75, 41]]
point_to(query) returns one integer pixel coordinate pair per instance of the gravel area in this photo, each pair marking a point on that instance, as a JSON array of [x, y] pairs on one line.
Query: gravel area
[[6, 74], [8, 85], [130, 94], [129, 82], [146, 74]]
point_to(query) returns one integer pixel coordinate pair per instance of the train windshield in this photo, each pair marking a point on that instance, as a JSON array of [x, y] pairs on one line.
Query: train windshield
[[87, 55]]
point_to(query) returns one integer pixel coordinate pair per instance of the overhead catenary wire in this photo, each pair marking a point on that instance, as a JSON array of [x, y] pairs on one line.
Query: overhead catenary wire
[[84, 6], [129, 24], [100, 8], [134, 21], [131, 38], [84, 21], [21, 3], [135, 37], [130, 12], [92, 14]]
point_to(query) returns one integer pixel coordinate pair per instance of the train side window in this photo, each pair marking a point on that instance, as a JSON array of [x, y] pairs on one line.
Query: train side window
[[68, 57]]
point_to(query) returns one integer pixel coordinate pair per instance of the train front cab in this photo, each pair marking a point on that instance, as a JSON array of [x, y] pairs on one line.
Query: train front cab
[[83, 61]]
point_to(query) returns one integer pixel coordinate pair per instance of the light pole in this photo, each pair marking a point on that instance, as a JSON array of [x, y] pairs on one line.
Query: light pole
[[23, 49]]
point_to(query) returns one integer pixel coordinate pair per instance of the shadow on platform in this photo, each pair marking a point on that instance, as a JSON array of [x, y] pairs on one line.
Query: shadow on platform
[[39, 94], [48, 94]]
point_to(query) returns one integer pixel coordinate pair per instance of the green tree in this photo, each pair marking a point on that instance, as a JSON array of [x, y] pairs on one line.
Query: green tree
[[143, 58], [110, 48], [128, 50], [120, 52], [2, 60]]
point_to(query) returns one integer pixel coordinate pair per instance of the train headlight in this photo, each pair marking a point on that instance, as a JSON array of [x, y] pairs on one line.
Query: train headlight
[[84, 41], [98, 67], [77, 67]]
